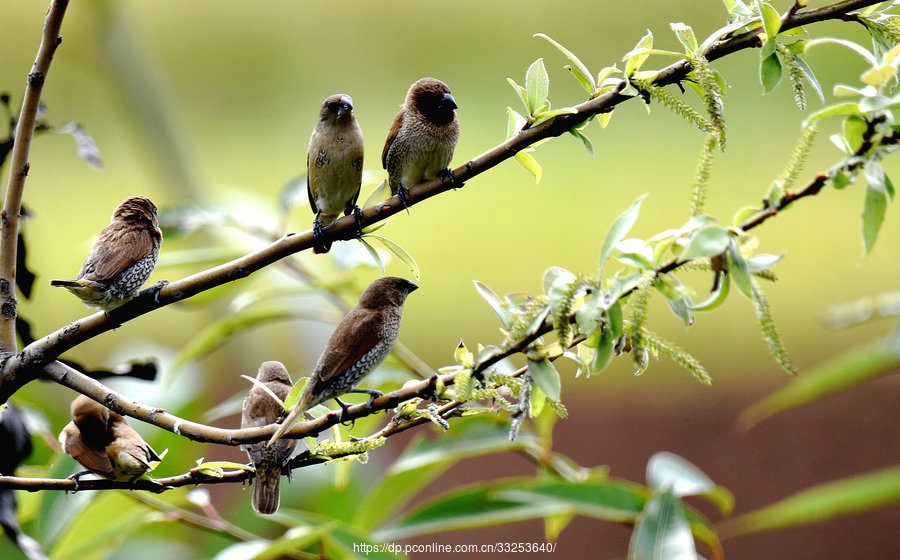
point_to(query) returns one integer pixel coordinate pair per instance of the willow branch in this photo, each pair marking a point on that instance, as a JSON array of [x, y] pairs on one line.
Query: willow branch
[[19, 171]]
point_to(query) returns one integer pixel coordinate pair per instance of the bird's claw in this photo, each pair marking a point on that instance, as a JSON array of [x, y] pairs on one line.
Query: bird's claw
[[320, 246], [401, 194], [357, 214], [154, 289], [447, 175]]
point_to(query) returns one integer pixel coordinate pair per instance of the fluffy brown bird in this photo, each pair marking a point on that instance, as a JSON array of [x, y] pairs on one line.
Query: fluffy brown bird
[[361, 341], [103, 442], [260, 409], [422, 138], [334, 165], [121, 259]]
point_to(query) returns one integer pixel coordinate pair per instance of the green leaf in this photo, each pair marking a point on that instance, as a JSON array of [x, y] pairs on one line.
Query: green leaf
[[873, 216], [373, 253], [771, 20], [578, 68], [265, 389], [759, 263], [530, 164], [515, 122], [770, 72], [547, 115], [294, 394], [707, 242], [604, 353], [425, 460], [685, 36], [545, 377], [669, 472], [848, 496], [662, 531], [521, 92], [810, 77], [847, 371], [833, 110], [588, 145], [635, 61], [715, 299], [738, 269], [537, 84], [378, 194], [617, 232], [495, 302], [726, 30], [398, 252]]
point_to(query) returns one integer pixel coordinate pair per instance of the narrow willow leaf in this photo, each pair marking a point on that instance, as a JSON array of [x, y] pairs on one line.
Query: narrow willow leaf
[[633, 62], [545, 377], [716, 298], [873, 216], [547, 115], [294, 394], [521, 92], [707, 242], [530, 164], [768, 329], [810, 77], [771, 20], [685, 36], [495, 302], [398, 252], [846, 371], [577, 133], [604, 351], [738, 269], [373, 253], [515, 122], [578, 68], [865, 492], [537, 84], [662, 531], [617, 232], [264, 389], [587, 82], [861, 51], [726, 30], [379, 193], [770, 72]]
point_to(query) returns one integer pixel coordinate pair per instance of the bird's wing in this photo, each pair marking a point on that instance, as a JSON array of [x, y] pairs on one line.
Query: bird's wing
[[95, 460], [112, 256], [341, 355], [398, 120], [358, 153], [311, 179]]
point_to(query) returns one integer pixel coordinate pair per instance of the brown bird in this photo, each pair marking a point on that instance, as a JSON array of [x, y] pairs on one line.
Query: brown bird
[[103, 442], [269, 460], [334, 165], [422, 138], [361, 341], [121, 259]]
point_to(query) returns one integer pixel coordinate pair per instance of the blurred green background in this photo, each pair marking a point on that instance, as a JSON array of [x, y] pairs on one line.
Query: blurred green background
[[213, 103]]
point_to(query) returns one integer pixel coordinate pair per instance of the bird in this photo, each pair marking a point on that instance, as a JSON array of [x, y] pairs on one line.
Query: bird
[[260, 409], [360, 342], [422, 138], [334, 164], [122, 258], [102, 442]]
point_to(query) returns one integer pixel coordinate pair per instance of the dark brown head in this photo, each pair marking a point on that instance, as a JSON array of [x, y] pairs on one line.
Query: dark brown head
[[337, 108], [92, 420], [386, 291], [136, 209], [432, 98], [273, 371]]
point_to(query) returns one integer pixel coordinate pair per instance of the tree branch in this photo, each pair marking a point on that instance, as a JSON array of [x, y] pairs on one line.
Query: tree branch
[[9, 231]]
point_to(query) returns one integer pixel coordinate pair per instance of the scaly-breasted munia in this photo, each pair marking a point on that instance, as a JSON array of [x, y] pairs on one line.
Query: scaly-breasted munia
[[103, 442], [423, 136], [361, 341], [260, 409], [334, 165], [121, 259]]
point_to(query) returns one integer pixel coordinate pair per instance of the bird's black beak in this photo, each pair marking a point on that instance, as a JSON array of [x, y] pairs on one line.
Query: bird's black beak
[[448, 103], [345, 106], [411, 287]]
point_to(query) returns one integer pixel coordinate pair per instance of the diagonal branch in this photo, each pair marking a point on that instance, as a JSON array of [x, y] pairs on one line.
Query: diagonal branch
[[19, 171]]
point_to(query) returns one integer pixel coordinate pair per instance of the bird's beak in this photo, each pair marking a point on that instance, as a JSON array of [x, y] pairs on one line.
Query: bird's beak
[[346, 105], [447, 102], [412, 287]]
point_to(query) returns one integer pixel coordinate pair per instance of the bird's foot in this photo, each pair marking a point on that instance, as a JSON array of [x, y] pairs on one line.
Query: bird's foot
[[76, 478], [343, 415], [357, 215], [447, 175], [154, 290], [320, 246], [373, 394], [402, 192]]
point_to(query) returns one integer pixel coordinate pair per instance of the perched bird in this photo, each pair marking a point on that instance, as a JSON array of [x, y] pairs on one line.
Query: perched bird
[[334, 165], [103, 442], [422, 138], [260, 409], [121, 259], [361, 341]]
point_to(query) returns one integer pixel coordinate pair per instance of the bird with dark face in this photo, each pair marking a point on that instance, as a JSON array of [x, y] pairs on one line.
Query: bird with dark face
[[334, 164], [121, 259], [361, 341], [260, 409], [423, 136], [103, 442]]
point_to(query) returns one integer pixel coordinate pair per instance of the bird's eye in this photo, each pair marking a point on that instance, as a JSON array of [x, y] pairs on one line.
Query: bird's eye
[[333, 106]]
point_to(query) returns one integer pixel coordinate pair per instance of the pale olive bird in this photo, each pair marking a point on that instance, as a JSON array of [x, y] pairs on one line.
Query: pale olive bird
[[422, 138], [269, 460], [360, 342], [122, 258], [102, 442], [334, 165]]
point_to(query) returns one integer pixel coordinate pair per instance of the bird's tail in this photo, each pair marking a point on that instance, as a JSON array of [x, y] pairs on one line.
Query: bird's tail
[[266, 493], [65, 283]]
